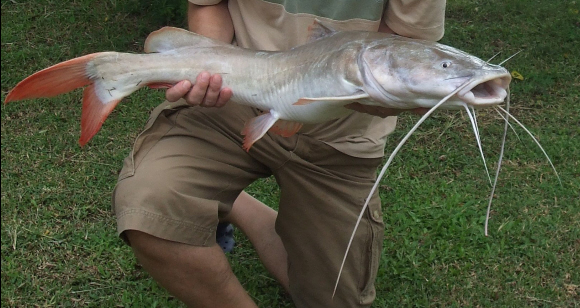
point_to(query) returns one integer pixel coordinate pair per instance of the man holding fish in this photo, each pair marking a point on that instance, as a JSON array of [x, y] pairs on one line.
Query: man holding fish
[[188, 170]]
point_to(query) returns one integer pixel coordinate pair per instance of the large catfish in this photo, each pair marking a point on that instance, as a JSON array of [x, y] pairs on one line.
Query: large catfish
[[308, 84], [311, 83]]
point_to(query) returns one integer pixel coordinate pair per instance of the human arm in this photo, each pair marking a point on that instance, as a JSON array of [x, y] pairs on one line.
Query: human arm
[[213, 21]]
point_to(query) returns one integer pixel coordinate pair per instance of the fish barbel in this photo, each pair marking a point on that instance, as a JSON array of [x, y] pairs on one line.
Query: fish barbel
[[308, 84]]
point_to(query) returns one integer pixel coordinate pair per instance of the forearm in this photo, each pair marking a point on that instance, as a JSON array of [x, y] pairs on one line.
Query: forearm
[[211, 20]]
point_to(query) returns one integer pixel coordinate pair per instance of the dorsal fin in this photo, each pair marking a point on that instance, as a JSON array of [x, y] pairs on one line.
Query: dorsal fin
[[170, 38], [319, 30]]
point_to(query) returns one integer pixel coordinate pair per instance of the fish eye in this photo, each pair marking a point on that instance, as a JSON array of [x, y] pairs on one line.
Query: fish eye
[[446, 64]]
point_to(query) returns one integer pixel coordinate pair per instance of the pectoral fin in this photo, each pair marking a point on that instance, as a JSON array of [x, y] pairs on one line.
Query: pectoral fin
[[256, 128], [346, 98]]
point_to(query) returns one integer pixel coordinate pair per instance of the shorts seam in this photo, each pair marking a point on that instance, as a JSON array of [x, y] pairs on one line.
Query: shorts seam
[[283, 164], [164, 218], [291, 155]]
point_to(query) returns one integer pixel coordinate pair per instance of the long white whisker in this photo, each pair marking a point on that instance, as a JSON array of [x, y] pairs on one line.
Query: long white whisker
[[475, 119], [512, 128], [487, 62], [476, 132], [457, 77], [499, 161], [504, 61], [382, 173], [536, 141]]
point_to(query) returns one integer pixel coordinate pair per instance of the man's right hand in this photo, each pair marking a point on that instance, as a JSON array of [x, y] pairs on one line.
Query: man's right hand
[[206, 92]]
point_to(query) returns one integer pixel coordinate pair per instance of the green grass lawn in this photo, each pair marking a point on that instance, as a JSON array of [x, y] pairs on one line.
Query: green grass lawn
[[59, 246]]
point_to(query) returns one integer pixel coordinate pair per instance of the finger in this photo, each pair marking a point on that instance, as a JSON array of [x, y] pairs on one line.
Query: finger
[[213, 91], [197, 92], [178, 91], [224, 97]]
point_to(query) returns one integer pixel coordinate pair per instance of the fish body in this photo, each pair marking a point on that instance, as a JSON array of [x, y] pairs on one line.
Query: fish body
[[308, 84]]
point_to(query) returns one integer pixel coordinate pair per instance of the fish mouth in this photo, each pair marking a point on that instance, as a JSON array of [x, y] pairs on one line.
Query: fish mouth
[[487, 91]]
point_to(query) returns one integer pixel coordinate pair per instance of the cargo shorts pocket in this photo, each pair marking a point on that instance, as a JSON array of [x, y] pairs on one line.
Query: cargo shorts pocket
[[374, 249], [157, 126]]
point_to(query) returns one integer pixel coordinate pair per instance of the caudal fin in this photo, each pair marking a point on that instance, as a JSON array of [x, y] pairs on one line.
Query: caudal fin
[[57, 79], [94, 114], [65, 77]]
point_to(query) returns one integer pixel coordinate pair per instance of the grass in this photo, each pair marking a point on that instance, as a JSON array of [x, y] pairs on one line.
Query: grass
[[59, 246]]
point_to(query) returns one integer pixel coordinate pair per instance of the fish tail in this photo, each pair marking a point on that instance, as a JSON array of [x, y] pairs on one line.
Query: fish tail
[[95, 112], [63, 78], [57, 79]]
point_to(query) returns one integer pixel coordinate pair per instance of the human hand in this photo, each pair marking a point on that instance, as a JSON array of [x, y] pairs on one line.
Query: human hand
[[383, 112], [205, 92]]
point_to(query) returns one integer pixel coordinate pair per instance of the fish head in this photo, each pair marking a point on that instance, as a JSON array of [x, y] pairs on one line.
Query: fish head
[[406, 73]]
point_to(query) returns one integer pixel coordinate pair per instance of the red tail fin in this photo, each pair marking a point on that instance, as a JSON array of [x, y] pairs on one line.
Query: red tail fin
[[62, 78], [94, 114], [57, 79]]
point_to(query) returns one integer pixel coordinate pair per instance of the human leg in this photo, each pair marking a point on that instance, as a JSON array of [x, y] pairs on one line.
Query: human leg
[[257, 221], [198, 276], [322, 192], [173, 190]]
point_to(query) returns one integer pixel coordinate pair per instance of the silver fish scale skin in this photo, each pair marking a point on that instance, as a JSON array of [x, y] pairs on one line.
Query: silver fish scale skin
[[306, 73], [265, 80]]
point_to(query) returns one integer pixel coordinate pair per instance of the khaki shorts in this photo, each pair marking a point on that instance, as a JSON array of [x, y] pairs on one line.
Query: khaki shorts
[[188, 167]]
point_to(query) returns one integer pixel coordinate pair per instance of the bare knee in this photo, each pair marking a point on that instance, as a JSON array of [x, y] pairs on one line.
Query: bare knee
[[161, 257], [199, 276], [152, 250], [144, 244]]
